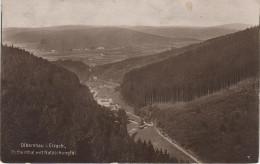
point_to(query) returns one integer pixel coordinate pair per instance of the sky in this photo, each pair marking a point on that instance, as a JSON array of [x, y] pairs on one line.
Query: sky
[[43, 13]]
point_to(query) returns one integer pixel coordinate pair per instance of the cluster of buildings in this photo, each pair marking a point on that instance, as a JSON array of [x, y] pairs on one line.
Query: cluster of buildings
[[86, 49], [105, 102]]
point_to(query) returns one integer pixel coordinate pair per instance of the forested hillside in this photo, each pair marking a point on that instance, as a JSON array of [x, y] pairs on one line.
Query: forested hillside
[[78, 67], [216, 65], [116, 71], [219, 128], [42, 103]]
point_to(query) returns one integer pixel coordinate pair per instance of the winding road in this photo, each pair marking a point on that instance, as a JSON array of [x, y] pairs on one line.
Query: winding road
[[178, 147], [149, 133]]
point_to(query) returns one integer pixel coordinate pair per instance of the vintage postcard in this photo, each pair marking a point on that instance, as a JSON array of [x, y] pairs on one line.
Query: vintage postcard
[[130, 81]]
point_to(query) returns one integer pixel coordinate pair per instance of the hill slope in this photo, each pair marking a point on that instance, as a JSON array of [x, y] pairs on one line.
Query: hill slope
[[42, 103], [219, 128], [116, 71], [77, 67], [219, 63]]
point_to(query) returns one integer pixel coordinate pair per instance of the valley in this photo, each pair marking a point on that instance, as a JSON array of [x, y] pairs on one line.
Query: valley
[[163, 87], [160, 88], [129, 81], [93, 44], [90, 44], [94, 57], [108, 91]]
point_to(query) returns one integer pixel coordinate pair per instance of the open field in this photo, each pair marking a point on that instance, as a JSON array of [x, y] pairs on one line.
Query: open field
[[100, 57], [94, 57]]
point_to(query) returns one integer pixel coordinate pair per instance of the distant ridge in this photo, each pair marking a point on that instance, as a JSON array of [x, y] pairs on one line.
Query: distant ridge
[[201, 33], [66, 37], [78, 36]]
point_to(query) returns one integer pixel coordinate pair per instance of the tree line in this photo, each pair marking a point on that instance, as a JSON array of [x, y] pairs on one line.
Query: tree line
[[220, 63], [43, 103]]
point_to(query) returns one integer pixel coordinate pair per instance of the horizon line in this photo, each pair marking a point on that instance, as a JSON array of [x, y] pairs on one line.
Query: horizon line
[[249, 25]]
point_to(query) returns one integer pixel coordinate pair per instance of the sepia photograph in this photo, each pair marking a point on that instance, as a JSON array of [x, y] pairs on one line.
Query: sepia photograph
[[130, 81]]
